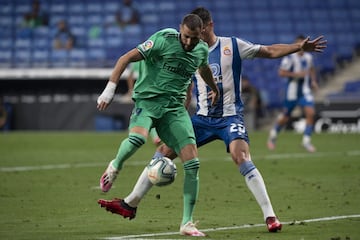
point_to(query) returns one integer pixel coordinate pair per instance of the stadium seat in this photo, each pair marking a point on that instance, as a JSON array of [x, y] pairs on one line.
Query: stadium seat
[[76, 20], [42, 43], [23, 43], [41, 32], [96, 57], [96, 43], [352, 86], [76, 7], [77, 58], [6, 55], [58, 7], [59, 58], [40, 58], [22, 58], [6, 21], [94, 7]]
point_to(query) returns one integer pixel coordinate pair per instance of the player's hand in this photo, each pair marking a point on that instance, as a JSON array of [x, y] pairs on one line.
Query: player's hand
[[314, 86], [214, 96], [106, 96], [316, 45]]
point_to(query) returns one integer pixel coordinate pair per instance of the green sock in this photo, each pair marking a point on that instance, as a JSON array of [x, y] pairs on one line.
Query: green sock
[[127, 148], [191, 188]]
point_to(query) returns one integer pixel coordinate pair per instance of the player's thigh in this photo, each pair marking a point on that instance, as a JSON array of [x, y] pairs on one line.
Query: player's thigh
[[289, 107], [236, 129], [204, 132], [141, 118], [175, 129], [308, 106]]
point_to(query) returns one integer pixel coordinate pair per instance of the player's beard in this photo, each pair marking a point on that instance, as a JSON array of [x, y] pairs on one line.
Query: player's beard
[[188, 48]]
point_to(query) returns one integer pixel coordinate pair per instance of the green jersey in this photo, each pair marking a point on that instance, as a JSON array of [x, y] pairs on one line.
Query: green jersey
[[167, 68]]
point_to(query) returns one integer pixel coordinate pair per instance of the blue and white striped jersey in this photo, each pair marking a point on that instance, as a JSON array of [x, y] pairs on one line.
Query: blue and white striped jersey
[[298, 87], [225, 60]]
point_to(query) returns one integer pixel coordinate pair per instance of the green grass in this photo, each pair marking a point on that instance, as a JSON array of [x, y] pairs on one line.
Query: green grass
[[44, 202]]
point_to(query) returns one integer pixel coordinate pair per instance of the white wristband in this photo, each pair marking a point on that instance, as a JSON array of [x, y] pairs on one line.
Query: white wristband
[[108, 93]]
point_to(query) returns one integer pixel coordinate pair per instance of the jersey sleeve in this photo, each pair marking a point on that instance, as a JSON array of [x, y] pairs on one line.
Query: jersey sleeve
[[247, 49], [152, 45], [286, 63]]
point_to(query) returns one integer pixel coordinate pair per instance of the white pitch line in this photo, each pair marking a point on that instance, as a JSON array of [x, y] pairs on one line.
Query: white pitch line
[[144, 236], [61, 166], [137, 163]]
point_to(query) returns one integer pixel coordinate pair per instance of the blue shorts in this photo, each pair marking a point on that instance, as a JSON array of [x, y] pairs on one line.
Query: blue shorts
[[302, 102], [208, 129]]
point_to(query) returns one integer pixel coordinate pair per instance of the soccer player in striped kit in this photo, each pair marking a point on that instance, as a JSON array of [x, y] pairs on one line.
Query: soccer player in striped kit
[[299, 70], [224, 120]]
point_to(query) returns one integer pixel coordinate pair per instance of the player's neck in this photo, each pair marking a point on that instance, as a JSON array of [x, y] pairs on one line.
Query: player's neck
[[212, 40]]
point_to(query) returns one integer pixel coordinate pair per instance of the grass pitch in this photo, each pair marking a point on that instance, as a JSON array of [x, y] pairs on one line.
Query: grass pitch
[[49, 188]]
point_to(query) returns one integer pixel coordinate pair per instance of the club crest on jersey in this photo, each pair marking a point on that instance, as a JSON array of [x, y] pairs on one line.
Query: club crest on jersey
[[147, 45], [227, 51], [215, 69]]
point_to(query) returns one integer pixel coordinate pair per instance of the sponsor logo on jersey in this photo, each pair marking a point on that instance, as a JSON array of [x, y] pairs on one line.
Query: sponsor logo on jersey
[[180, 69]]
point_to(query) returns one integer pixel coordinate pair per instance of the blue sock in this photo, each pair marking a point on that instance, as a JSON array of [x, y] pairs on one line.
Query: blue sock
[[278, 128], [308, 130], [246, 167]]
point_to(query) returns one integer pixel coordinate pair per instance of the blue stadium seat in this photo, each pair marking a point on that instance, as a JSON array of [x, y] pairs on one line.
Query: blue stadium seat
[[76, 7], [96, 57], [77, 57], [41, 32], [23, 43], [59, 58], [6, 43], [21, 9], [22, 58], [58, 7], [55, 18], [7, 8], [96, 42], [6, 21], [95, 19], [77, 20], [111, 6], [352, 86], [113, 42], [94, 7], [40, 58], [6, 57], [42, 43]]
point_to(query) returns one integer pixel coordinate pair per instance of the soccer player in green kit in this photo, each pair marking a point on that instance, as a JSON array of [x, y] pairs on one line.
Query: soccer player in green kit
[[170, 58]]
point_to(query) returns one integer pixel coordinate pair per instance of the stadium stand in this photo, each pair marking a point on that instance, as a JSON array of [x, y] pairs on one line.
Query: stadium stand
[[99, 41]]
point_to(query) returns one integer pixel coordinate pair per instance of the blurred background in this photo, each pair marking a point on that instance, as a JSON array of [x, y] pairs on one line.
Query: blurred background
[[56, 56]]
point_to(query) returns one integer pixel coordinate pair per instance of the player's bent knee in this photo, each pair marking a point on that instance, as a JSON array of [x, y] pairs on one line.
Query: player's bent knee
[[166, 151], [188, 152], [137, 139]]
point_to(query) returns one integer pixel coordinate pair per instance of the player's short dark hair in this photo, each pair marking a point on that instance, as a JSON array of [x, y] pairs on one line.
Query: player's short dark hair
[[192, 21], [203, 13]]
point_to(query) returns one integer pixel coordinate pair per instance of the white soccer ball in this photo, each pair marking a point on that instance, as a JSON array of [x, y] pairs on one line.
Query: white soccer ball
[[161, 171]]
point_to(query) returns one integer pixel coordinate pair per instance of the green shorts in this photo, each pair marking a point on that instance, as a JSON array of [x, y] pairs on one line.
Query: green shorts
[[170, 118]]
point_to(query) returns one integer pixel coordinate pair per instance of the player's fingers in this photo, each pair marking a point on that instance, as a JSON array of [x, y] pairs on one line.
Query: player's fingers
[[102, 106]]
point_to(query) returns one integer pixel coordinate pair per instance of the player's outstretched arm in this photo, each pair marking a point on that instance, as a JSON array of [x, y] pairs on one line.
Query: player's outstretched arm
[[281, 50], [107, 95]]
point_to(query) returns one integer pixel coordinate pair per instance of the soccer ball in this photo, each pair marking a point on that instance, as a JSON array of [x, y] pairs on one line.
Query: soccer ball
[[161, 171]]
